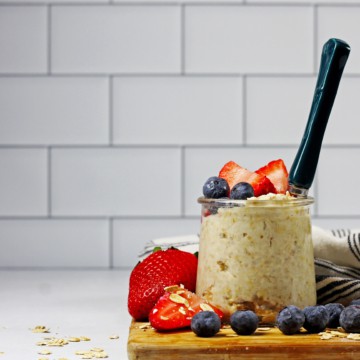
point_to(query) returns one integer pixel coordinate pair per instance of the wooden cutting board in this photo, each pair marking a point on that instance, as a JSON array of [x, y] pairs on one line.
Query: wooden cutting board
[[146, 343]]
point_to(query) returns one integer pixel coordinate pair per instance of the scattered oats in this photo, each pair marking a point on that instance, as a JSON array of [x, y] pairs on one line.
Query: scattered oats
[[226, 326], [96, 350], [44, 352], [2, 353], [63, 359], [173, 288], [42, 343], [113, 337], [182, 310], [145, 326], [85, 338], [40, 329], [264, 329], [44, 359], [179, 299], [74, 339], [353, 336], [325, 336], [338, 333], [206, 307], [57, 342], [101, 355], [81, 352], [85, 354]]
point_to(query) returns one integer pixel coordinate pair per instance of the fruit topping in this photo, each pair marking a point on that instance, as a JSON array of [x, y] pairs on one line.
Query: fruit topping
[[215, 188], [316, 318], [244, 322], [206, 323], [234, 174], [160, 269], [277, 173], [290, 320], [350, 319], [242, 191], [334, 310], [176, 308]]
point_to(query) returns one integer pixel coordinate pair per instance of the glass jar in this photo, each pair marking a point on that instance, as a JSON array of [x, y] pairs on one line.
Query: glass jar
[[256, 254]]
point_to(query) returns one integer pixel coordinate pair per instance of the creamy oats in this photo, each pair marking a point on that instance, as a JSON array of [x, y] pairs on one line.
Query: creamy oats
[[256, 254]]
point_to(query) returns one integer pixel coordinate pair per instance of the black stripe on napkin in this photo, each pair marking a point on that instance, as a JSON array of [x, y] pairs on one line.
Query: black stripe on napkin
[[341, 271], [341, 232], [353, 247], [336, 289]]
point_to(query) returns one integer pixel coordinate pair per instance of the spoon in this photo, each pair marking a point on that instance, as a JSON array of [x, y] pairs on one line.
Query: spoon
[[333, 59]]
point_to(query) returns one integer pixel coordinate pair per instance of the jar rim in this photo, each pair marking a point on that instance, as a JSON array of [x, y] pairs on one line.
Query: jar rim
[[226, 202]]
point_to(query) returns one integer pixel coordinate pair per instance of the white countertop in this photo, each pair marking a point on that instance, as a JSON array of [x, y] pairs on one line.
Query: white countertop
[[70, 303]]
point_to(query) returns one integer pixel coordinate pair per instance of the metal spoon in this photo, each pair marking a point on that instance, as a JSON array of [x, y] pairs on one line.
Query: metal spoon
[[333, 59]]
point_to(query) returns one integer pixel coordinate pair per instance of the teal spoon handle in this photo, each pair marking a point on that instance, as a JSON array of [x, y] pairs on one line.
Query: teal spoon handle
[[333, 59]]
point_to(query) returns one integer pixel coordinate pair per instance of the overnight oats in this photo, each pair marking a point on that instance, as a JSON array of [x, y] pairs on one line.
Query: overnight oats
[[256, 254]]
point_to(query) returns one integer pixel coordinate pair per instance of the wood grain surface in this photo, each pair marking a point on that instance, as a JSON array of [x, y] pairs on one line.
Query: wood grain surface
[[146, 343]]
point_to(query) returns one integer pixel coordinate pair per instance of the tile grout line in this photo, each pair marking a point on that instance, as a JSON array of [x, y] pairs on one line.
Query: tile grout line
[[176, 146], [316, 51], [49, 20], [140, 217], [159, 3], [111, 243], [182, 179], [111, 110], [182, 40], [244, 110], [164, 75], [49, 178]]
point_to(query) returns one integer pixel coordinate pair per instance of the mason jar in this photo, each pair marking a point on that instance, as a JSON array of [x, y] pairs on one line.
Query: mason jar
[[256, 254]]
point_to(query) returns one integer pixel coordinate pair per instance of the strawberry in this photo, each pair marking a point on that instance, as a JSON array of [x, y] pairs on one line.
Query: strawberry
[[149, 277], [234, 173], [176, 308], [277, 173]]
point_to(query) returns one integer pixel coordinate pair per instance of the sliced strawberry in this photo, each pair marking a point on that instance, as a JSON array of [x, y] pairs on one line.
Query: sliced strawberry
[[234, 173], [277, 173], [176, 308]]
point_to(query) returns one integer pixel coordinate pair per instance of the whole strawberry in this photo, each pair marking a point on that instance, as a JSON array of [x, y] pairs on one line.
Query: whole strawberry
[[160, 269]]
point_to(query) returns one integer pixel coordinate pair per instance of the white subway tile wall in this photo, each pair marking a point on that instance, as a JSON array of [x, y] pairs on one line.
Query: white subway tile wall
[[113, 113]]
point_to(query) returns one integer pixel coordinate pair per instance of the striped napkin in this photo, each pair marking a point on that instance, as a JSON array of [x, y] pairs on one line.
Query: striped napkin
[[337, 261], [337, 265]]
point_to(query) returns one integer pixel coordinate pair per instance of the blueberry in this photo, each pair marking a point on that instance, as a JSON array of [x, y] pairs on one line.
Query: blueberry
[[334, 310], [205, 323], [316, 318], [350, 319], [290, 320], [241, 191], [216, 188], [244, 322], [355, 302]]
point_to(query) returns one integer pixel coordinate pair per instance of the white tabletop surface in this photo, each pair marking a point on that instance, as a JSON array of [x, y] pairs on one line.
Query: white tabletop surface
[[70, 303]]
